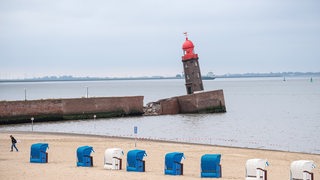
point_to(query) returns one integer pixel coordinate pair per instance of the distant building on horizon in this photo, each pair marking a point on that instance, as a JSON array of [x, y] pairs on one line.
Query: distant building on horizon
[[191, 68]]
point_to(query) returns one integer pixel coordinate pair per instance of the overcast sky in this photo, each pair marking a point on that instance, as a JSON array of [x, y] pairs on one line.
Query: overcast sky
[[143, 37]]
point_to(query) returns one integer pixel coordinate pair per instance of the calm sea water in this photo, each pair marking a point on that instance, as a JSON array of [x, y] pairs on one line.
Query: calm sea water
[[265, 113]]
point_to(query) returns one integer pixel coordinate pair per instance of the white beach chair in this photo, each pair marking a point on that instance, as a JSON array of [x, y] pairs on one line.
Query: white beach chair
[[301, 170], [112, 158], [256, 169]]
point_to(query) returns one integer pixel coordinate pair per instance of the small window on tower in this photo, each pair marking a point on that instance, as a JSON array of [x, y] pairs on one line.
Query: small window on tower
[[198, 75], [195, 63], [186, 65], [188, 77]]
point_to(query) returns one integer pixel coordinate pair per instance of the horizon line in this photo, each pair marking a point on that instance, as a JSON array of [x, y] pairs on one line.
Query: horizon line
[[177, 76]]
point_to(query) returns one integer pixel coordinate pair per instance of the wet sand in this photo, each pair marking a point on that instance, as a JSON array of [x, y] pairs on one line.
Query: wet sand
[[62, 158]]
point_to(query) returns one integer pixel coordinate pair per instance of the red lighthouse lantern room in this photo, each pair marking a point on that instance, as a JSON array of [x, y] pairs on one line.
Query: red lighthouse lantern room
[[188, 50]]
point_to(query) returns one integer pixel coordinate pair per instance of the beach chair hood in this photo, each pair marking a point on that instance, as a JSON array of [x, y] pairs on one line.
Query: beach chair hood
[[299, 168], [112, 158], [210, 165], [38, 153], [83, 156], [173, 165], [135, 160]]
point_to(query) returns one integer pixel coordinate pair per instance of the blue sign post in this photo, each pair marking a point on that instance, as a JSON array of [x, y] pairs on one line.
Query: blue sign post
[[135, 129]]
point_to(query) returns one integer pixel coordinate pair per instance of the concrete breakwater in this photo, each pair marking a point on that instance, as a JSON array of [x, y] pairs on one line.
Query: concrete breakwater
[[12, 112]]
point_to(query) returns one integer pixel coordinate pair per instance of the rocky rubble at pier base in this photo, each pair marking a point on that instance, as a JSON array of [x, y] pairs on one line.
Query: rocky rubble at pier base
[[152, 109]]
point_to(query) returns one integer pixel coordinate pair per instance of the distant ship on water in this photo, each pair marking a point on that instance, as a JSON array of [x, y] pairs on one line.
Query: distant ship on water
[[208, 77]]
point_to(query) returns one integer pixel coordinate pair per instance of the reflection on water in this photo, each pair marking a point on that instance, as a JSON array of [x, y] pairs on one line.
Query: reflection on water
[[261, 113]]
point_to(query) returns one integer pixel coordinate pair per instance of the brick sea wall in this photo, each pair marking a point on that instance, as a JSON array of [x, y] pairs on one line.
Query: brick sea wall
[[201, 102], [66, 109], [12, 112]]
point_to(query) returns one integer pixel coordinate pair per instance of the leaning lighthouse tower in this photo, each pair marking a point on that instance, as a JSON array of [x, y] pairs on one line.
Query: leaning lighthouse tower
[[191, 67]]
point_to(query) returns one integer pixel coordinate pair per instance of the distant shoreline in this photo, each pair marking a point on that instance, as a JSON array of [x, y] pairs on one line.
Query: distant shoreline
[[245, 75]]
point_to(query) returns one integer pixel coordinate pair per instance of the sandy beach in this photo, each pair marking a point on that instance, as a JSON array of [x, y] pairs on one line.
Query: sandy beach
[[62, 158]]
